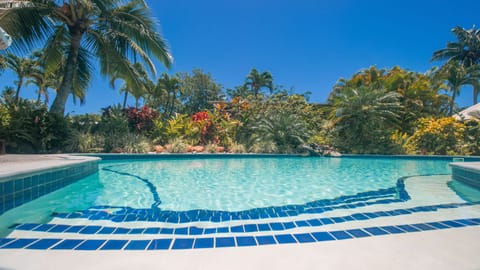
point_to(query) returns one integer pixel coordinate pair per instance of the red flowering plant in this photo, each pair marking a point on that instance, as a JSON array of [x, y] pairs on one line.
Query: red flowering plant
[[216, 127], [204, 122], [141, 120]]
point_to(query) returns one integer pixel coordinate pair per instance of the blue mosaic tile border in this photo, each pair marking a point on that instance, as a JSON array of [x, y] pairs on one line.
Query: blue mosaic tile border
[[245, 228], [15, 192], [229, 241]]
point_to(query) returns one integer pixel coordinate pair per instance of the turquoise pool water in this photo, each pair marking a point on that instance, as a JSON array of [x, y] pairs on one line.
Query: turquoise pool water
[[227, 184], [240, 184]]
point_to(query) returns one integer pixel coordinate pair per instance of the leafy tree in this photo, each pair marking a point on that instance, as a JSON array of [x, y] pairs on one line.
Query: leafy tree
[[466, 50], [199, 91], [111, 30], [419, 94]]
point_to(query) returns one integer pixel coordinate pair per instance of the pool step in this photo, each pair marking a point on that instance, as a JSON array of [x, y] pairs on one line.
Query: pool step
[[125, 214], [259, 226], [86, 244]]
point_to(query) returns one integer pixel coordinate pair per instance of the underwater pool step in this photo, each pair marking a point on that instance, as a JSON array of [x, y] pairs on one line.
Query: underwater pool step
[[235, 228], [125, 214], [230, 241]]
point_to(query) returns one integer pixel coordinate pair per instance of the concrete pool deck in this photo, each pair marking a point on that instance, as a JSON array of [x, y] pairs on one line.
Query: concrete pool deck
[[455, 248]]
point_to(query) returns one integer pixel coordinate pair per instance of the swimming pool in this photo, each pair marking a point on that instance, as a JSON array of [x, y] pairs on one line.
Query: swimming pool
[[181, 196]]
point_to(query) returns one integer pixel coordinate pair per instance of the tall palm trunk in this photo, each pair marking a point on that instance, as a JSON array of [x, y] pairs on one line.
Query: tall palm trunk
[[19, 86], [172, 105], [42, 90], [452, 101], [255, 90], [125, 100], [66, 86], [39, 97], [475, 94]]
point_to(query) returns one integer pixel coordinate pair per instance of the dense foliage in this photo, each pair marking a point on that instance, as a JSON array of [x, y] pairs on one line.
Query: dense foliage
[[375, 111]]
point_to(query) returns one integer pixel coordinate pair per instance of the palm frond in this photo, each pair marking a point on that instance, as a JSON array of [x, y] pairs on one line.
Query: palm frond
[[29, 25]]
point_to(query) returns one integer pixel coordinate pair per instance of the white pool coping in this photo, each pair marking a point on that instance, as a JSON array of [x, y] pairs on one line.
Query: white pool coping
[[12, 165], [473, 166]]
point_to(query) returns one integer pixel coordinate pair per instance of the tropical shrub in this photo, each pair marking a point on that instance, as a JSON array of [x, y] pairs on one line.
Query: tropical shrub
[[53, 131], [114, 127], [284, 130], [267, 147], [113, 119], [204, 123], [85, 123], [237, 148], [32, 129], [226, 127], [136, 143], [84, 142], [443, 136], [177, 145], [182, 126], [4, 117], [211, 148], [471, 145], [141, 120]]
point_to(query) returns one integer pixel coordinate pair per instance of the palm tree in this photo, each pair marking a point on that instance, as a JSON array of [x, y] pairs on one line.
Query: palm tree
[[364, 116], [456, 75], [22, 67], [43, 81], [285, 130], [256, 81], [3, 62], [136, 86], [167, 88], [365, 77], [465, 50], [40, 77], [110, 30]]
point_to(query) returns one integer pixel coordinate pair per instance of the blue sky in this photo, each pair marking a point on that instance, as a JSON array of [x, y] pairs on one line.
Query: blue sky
[[305, 44]]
